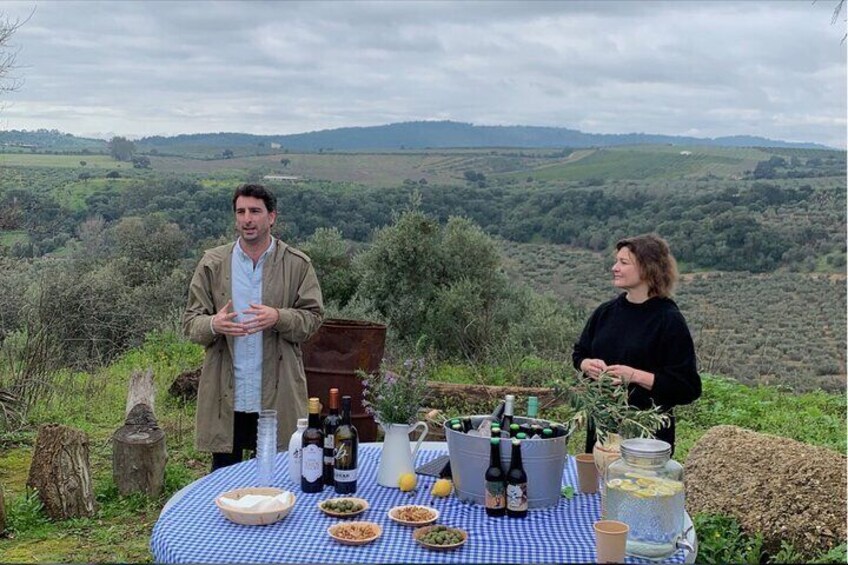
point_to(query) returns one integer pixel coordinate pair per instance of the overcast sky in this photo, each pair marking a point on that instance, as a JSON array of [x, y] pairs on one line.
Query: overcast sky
[[704, 68]]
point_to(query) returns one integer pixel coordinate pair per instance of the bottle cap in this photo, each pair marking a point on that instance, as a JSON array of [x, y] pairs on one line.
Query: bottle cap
[[520, 435], [495, 441], [514, 427], [532, 404], [302, 422], [314, 405]]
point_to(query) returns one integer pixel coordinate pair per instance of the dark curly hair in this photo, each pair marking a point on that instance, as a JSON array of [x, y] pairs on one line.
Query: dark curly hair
[[256, 191], [657, 265]]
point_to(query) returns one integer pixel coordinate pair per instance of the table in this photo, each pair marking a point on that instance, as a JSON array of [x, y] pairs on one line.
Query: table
[[192, 530]]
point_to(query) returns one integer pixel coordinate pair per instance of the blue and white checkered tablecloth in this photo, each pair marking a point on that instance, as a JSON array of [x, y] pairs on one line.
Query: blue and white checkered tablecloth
[[193, 530]]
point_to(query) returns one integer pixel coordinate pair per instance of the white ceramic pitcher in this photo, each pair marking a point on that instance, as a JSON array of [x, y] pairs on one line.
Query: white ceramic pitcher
[[396, 458]]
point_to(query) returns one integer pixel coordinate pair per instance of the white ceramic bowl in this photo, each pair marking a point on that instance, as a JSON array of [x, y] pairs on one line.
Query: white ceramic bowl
[[256, 517]]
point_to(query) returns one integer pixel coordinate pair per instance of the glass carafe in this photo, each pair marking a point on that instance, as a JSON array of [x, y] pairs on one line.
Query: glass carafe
[[645, 490]]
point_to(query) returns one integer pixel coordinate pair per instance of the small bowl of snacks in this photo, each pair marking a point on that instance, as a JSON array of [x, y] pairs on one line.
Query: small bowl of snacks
[[255, 506], [414, 515], [355, 533], [344, 507], [440, 537]]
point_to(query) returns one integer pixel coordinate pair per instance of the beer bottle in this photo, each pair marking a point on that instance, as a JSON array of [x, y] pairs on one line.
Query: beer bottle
[[506, 422], [516, 484], [547, 433], [467, 426], [532, 407], [346, 452], [495, 486], [312, 467], [514, 429], [331, 422]]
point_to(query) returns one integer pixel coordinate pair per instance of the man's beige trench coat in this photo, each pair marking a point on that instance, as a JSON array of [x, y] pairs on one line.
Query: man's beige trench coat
[[289, 283]]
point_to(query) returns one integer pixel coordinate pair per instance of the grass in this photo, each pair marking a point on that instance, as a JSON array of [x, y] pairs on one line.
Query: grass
[[649, 162], [61, 161], [120, 531], [11, 237]]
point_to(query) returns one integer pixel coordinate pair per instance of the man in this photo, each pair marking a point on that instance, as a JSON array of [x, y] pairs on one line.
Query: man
[[251, 304]]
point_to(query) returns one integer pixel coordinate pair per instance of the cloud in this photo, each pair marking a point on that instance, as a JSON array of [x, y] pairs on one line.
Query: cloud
[[775, 69]]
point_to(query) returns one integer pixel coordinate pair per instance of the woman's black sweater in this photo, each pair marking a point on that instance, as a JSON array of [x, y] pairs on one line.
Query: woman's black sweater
[[651, 336]]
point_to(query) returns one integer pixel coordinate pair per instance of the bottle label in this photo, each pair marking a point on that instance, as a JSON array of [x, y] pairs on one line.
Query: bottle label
[[345, 475], [312, 466], [329, 441], [495, 495], [516, 497]]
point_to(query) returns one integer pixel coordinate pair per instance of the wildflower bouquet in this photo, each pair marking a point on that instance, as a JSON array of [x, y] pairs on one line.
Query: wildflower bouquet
[[395, 394]]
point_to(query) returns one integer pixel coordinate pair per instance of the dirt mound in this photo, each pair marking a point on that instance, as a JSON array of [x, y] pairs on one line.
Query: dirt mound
[[782, 488]]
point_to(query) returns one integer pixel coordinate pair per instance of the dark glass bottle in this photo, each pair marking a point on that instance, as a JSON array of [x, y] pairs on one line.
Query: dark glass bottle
[[346, 443], [516, 484], [514, 430], [457, 428], [331, 422], [547, 433], [312, 462], [467, 426], [495, 481], [506, 422]]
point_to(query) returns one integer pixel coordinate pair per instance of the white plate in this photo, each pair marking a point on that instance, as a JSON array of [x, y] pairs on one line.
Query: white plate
[[394, 515]]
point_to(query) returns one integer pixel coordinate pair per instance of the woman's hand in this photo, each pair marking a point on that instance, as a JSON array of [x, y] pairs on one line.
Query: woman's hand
[[628, 375], [593, 367]]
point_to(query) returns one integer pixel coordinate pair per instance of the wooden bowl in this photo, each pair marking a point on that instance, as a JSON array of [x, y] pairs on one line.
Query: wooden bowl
[[334, 530], [421, 532], [395, 514], [253, 517], [333, 513]]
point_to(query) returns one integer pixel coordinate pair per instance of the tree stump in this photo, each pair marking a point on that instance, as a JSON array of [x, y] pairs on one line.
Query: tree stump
[[138, 447], [61, 473]]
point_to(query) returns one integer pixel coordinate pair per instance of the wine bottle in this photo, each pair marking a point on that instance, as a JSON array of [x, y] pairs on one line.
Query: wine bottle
[[312, 462], [346, 443], [331, 422], [495, 482], [516, 484], [506, 422]]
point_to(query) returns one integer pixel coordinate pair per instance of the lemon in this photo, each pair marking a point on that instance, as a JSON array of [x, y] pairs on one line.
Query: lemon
[[408, 482], [441, 488]]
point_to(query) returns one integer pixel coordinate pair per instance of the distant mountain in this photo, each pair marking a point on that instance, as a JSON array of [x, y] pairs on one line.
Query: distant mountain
[[447, 134], [406, 135], [48, 140]]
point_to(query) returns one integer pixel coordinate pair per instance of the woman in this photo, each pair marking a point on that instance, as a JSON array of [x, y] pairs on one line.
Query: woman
[[641, 338]]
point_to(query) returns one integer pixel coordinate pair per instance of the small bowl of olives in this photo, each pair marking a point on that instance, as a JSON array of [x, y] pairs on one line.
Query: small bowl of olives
[[440, 537], [343, 507]]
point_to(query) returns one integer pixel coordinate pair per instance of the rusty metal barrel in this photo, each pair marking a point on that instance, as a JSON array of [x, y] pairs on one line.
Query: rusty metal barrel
[[334, 354]]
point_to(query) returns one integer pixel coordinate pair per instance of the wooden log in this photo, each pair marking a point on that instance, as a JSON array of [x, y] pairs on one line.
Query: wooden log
[[141, 391], [139, 452], [483, 394], [61, 474]]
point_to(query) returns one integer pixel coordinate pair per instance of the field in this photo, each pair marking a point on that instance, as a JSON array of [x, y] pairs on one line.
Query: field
[[655, 162], [61, 161], [776, 328]]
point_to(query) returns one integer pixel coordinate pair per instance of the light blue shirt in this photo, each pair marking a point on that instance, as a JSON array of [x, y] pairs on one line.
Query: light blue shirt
[[247, 350]]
